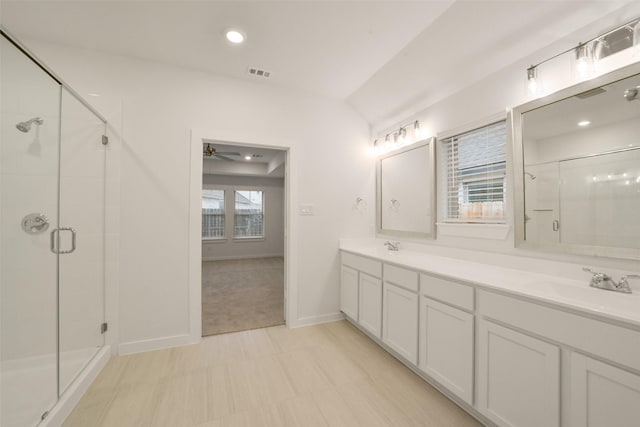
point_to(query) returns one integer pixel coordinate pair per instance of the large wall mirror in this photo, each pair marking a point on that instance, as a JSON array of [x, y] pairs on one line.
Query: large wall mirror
[[405, 191], [577, 168]]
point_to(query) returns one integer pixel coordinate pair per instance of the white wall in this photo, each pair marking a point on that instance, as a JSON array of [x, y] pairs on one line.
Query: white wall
[[160, 105], [272, 244]]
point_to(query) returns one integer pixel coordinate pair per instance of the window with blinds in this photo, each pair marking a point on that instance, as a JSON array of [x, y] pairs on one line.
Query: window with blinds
[[472, 175], [213, 214]]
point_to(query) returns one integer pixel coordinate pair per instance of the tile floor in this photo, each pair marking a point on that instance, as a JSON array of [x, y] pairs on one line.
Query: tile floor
[[323, 375]]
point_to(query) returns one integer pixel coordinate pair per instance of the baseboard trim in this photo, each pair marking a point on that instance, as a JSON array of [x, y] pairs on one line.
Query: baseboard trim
[[155, 344], [77, 389], [232, 257], [315, 320]]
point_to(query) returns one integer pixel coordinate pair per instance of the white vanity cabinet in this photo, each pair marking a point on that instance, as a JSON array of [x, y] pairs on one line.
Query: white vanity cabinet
[[520, 343], [361, 291], [603, 395], [446, 334], [400, 311], [370, 298], [519, 378], [349, 291], [509, 357]]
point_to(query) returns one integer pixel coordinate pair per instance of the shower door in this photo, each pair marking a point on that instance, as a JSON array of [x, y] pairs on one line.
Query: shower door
[[52, 226], [81, 234], [28, 268]]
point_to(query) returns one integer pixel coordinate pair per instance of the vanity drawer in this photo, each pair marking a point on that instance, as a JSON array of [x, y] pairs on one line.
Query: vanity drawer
[[366, 265], [447, 291], [407, 279], [616, 343]]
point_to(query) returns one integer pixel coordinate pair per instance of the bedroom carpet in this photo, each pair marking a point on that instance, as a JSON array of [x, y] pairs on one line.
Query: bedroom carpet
[[242, 294]]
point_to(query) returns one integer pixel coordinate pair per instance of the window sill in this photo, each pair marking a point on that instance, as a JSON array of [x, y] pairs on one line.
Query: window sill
[[248, 239], [476, 231], [214, 240]]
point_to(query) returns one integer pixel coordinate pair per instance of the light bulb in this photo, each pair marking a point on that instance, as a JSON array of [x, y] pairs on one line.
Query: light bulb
[[235, 36], [583, 60], [532, 80]]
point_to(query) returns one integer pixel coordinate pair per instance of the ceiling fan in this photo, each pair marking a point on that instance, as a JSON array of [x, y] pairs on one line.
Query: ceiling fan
[[210, 151]]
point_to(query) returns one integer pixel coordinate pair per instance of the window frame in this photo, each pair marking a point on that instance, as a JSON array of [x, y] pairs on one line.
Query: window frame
[[223, 237], [263, 214], [446, 188]]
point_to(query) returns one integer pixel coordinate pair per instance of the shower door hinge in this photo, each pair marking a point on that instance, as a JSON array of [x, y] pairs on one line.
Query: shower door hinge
[[104, 328], [105, 139]]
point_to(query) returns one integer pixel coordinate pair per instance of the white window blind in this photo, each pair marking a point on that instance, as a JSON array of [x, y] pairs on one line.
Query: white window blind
[[472, 175]]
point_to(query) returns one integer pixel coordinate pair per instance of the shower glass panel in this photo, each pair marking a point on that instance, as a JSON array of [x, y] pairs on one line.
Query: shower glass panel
[[82, 198], [28, 268], [52, 227]]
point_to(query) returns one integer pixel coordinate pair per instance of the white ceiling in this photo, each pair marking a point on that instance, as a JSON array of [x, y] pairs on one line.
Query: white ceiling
[[380, 56], [265, 162]]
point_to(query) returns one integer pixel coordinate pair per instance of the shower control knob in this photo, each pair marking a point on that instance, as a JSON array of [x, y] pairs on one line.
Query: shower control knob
[[35, 223]]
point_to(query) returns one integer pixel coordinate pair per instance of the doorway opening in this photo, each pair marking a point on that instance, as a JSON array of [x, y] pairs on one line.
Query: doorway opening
[[243, 237]]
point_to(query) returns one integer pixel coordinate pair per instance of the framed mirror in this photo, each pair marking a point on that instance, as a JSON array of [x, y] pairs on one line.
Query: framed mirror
[[577, 168], [406, 191]]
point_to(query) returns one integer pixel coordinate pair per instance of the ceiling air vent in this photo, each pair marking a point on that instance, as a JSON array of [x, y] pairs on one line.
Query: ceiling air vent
[[259, 73]]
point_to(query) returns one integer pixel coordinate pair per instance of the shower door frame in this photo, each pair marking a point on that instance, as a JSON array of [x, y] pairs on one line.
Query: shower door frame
[[67, 398]]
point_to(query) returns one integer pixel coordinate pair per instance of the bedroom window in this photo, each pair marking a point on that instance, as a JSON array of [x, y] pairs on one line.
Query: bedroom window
[[248, 219], [213, 217]]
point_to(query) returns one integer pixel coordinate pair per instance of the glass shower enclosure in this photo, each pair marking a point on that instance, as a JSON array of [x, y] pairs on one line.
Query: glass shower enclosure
[[52, 227]]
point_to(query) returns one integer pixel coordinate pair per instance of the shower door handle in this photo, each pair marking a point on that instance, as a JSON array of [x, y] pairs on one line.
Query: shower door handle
[[55, 233]]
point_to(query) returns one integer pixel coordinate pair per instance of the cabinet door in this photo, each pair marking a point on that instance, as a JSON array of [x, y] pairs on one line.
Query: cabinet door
[[400, 321], [446, 346], [603, 395], [349, 292], [370, 309], [519, 378]]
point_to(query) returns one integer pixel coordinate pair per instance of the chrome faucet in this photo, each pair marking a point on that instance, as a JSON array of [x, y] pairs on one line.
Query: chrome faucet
[[392, 246], [603, 281]]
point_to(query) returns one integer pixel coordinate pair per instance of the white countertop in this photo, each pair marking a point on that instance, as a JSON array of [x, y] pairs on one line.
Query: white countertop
[[573, 294]]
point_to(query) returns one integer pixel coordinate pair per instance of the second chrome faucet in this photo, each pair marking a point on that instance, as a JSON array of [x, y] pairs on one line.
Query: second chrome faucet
[[392, 246]]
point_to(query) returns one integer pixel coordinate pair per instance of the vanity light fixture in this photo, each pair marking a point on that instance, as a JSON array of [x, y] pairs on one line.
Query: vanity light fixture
[[532, 79], [597, 48], [583, 60], [247, 157], [584, 123], [401, 137], [416, 130], [402, 133], [235, 36]]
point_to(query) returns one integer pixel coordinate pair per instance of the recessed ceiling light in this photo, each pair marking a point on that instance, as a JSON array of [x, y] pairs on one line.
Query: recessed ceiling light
[[235, 36], [247, 157], [584, 123]]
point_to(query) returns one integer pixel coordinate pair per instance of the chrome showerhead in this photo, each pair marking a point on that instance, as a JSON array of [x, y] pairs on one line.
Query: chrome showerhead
[[26, 126]]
